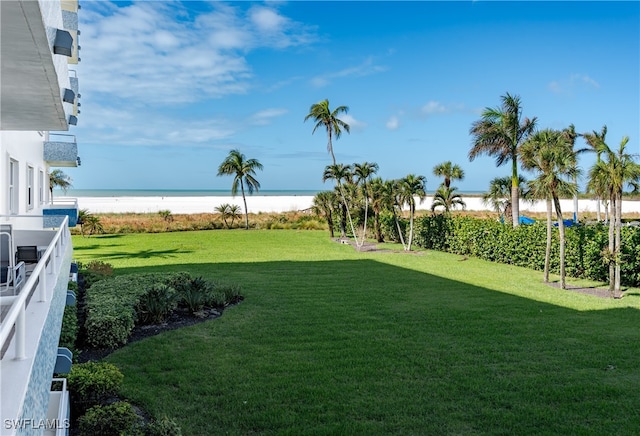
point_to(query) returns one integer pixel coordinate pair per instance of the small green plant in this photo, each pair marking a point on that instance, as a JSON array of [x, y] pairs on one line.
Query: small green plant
[[69, 331], [114, 419], [166, 215], [95, 271], [194, 293], [163, 427], [157, 304], [230, 292], [92, 383]]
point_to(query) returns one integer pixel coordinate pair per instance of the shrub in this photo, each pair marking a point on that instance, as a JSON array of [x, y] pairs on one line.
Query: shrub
[[163, 427], [95, 271], [194, 293], [69, 330], [114, 419], [230, 292], [156, 304], [92, 383]]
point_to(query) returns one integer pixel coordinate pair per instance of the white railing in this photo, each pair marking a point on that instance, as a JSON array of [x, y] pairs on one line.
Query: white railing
[[58, 417], [37, 281], [63, 203]]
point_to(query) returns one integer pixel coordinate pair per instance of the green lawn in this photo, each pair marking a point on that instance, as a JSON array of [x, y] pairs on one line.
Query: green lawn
[[331, 341]]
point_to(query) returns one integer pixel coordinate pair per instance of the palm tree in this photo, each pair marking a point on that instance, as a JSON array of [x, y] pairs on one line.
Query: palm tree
[[499, 194], [325, 117], [59, 179], [500, 133], [224, 210], [550, 153], [82, 216], [617, 170], [595, 143], [410, 187], [325, 204], [362, 173], [243, 170], [380, 200], [92, 224], [449, 171], [447, 198], [340, 172]]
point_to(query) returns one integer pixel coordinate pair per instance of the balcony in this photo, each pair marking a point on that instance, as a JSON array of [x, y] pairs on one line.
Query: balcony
[[62, 152], [30, 320], [58, 210]]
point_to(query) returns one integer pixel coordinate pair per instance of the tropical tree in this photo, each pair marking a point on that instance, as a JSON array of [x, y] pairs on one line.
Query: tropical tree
[[339, 173], [410, 187], [363, 173], [228, 211], [499, 133], [447, 198], [595, 143], [92, 224], [499, 194], [616, 169], [325, 204], [58, 179], [550, 154], [449, 171], [328, 119], [243, 171], [82, 216]]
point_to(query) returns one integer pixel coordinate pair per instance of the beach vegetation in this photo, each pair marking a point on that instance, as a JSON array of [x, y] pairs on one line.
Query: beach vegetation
[[243, 171], [447, 198], [385, 343], [594, 141], [228, 212], [325, 205], [166, 215], [449, 171], [499, 133], [91, 225], [329, 120], [409, 188]]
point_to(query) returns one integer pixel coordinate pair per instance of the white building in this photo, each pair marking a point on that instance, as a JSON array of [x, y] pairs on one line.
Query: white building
[[38, 104]]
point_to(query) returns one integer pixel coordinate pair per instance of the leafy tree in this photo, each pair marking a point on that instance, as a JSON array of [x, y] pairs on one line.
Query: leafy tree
[[327, 118], [243, 171], [447, 198], [381, 199], [449, 171], [325, 204], [500, 132], [92, 224], [57, 178], [410, 187], [595, 141], [224, 211], [340, 172], [363, 173], [499, 194]]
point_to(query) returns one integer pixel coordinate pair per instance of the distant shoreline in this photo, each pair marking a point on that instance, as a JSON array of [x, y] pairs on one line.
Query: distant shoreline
[[258, 203]]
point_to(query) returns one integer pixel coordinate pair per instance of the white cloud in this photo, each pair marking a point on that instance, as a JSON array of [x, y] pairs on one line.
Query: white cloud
[[434, 107], [265, 117], [352, 122], [366, 68], [575, 82], [393, 123]]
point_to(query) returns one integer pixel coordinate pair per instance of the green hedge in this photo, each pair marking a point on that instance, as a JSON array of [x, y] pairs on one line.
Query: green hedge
[[111, 305], [524, 245]]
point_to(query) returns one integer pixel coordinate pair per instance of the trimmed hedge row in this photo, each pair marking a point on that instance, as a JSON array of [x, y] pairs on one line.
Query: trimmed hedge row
[[525, 245]]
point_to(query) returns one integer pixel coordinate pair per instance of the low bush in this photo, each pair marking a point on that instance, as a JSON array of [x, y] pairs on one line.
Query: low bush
[[92, 383], [156, 304], [94, 271], [162, 427], [69, 330], [114, 419], [194, 293]]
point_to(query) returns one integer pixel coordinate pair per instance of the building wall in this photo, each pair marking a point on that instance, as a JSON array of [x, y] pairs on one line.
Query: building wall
[[27, 149], [36, 401]]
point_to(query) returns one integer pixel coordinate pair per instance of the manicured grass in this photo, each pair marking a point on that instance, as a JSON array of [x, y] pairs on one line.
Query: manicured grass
[[331, 341]]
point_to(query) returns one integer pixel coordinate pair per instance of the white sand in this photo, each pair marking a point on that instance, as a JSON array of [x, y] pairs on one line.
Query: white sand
[[264, 203]]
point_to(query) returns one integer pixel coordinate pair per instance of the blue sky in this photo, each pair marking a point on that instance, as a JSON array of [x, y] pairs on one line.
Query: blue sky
[[168, 88]]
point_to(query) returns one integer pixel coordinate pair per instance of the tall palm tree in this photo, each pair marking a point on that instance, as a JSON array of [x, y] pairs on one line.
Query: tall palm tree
[[327, 118], [410, 187], [325, 203], [595, 141], [381, 199], [447, 198], [449, 171], [616, 169], [500, 132], [58, 179], [362, 173], [243, 171], [550, 154]]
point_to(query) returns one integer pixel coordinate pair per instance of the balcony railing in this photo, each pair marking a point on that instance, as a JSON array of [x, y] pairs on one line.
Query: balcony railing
[[63, 152], [58, 209]]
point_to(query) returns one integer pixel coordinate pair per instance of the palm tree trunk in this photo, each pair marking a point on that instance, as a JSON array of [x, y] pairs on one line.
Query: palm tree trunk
[[377, 227], [515, 194], [598, 208], [612, 249], [618, 242], [556, 201], [346, 205], [411, 213], [395, 217], [246, 211], [547, 253], [366, 210]]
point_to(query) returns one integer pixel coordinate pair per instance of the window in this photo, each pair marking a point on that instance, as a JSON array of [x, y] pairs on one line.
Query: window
[[41, 187], [13, 187], [30, 187]]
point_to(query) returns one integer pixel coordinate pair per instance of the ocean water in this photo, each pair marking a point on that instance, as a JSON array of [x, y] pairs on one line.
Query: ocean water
[[173, 193]]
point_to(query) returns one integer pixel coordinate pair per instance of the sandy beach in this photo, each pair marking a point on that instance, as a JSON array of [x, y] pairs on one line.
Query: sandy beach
[[265, 203]]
